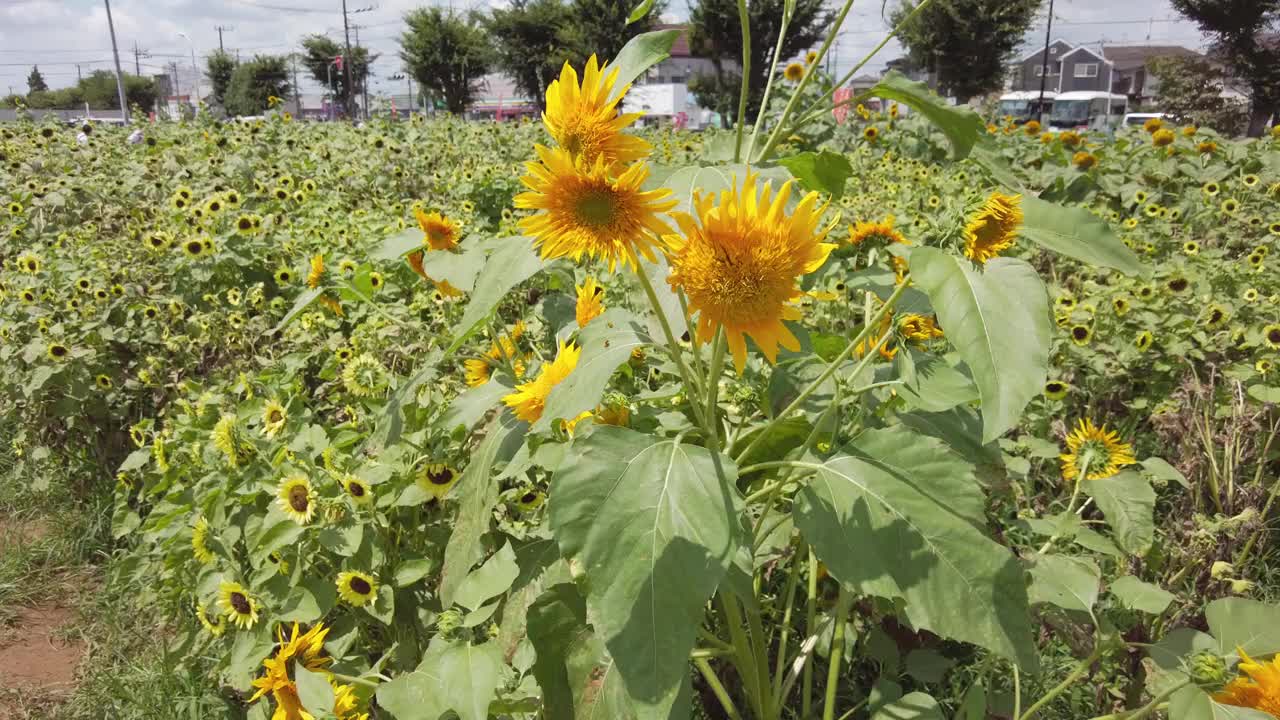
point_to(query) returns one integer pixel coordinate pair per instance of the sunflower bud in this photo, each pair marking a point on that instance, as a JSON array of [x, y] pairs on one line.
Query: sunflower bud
[[1221, 569], [1241, 587], [1207, 670], [448, 622]]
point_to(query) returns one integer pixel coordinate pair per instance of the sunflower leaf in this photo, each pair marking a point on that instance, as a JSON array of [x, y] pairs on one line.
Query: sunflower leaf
[[824, 171], [508, 266], [1128, 503], [960, 124], [1077, 233], [1068, 582], [654, 524], [455, 676], [914, 706], [1192, 703], [1246, 624], [641, 53], [314, 690], [1138, 595], [606, 343], [489, 580]]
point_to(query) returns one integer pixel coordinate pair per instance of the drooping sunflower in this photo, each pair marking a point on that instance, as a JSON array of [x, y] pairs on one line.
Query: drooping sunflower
[[294, 497], [1258, 688], [436, 479], [994, 228], [739, 260], [213, 623], [237, 604], [585, 210], [438, 232], [357, 588], [273, 418], [199, 541], [1056, 389], [584, 119], [477, 371], [794, 72], [590, 302], [1099, 447], [921, 328], [358, 489], [315, 273], [876, 234], [364, 376], [1084, 160], [529, 399], [811, 57], [1271, 336]]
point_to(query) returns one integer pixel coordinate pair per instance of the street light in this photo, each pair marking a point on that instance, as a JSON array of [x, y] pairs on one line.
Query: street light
[[194, 68]]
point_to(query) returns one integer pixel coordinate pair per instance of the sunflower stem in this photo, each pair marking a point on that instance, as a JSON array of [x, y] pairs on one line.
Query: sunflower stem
[[353, 679], [1071, 504], [827, 373], [780, 661], [810, 623], [1081, 668], [744, 18], [843, 602], [717, 688], [1155, 704], [787, 12], [713, 384], [672, 345], [744, 659]]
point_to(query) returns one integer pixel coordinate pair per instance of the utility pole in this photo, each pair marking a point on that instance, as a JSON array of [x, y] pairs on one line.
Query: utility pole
[[346, 62], [364, 75], [297, 91], [137, 67], [79, 78], [1044, 66], [220, 28], [115, 53]]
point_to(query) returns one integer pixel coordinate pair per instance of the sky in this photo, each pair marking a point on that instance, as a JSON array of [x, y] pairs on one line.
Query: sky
[[58, 36]]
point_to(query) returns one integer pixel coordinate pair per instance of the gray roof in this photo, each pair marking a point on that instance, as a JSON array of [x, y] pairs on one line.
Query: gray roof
[[1128, 57]]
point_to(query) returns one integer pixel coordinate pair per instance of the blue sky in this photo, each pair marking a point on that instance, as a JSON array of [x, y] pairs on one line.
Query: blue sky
[[60, 35]]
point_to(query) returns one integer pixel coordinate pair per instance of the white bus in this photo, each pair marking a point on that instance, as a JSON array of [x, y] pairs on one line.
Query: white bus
[[1023, 105], [1087, 110]]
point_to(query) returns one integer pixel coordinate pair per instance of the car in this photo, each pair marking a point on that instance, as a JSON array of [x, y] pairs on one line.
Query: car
[[1140, 118]]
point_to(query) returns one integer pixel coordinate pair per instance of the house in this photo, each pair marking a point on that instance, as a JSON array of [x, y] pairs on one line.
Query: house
[[1119, 69], [662, 92], [682, 64], [1032, 68], [1132, 73]]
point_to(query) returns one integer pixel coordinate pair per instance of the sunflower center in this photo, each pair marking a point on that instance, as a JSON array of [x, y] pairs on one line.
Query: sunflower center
[[275, 416], [1273, 336], [1079, 333], [240, 603], [360, 586], [298, 499], [356, 489], [440, 477], [528, 498], [596, 208]]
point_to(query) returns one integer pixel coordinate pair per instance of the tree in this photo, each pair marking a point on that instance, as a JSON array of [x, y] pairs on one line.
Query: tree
[[219, 68], [1191, 92], [599, 27], [530, 41], [35, 81], [966, 42], [447, 52], [253, 82], [1244, 39], [319, 54], [99, 90], [715, 33]]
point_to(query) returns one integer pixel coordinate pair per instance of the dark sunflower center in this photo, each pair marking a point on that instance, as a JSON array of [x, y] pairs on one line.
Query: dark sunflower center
[[245, 223], [360, 586], [275, 416], [1079, 333], [194, 247], [1215, 317], [240, 603], [356, 489], [59, 351], [1054, 387], [298, 499], [528, 498], [1273, 336], [440, 477], [1178, 285]]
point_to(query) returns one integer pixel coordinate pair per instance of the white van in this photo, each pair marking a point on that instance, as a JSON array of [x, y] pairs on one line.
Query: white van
[[1087, 110], [1023, 105]]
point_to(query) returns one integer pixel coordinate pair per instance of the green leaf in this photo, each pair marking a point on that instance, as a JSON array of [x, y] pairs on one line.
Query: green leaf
[[458, 269], [508, 266], [1068, 582], [606, 343], [1077, 233], [1192, 703], [824, 171], [489, 580], [900, 524], [928, 666], [960, 123], [960, 428], [469, 407], [278, 530], [937, 386], [411, 570], [785, 436], [641, 53], [1169, 652], [455, 676], [974, 706], [1265, 394], [314, 690], [654, 525], [1128, 502], [247, 652], [998, 319], [1138, 595], [302, 303], [686, 180], [640, 11], [1162, 470], [478, 490], [1247, 624], [400, 244], [913, 706]]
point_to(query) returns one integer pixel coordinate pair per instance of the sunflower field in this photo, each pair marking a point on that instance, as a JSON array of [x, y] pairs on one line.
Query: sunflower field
[[886, 414]]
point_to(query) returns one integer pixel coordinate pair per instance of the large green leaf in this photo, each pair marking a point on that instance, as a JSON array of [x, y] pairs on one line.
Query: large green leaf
[[936, 386], [400, 244], [302, 302], [1077, 233], [960, 123], [1068, 582], [1246, 624], [822, 171], [1128, 502], [489, 580], [508, 266], [654, 526], [899, 523], [642, 52], [1138, 595], [478, 488], [455, 676], [997, 317], [470, 406], [913, 706], [606, 343], [459, 269]]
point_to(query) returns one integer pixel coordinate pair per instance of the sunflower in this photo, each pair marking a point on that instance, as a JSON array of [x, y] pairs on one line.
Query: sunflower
[[876, 234], [921, 328], [871, 133], [794, 72], [1031, 128], [1056, 389], [1081, 334], [584, 119], [1065, 302], [1271, 336], [376, 281], [193, 247], [590, 302], [1144, 340], [364, 376], [1250, 181], [30, 264], [530, 500], [1250, 295], [584, 210], [1230, 206], [529, 399], [295, 498], [994, 228], [1084, 160], [1191, 247], [103, 382], [476, 371], [1120, 305], [438, 232], [436, 479], [357, 588], [1152, 125], [199, 541], [739, 261], [273, 418], [1097, 446], [1070, 138], [1152, 210], [347, 266], [284, 276], [237, 604], [1161, 138], [28, 296], [1215, 315], [1260, 690], [1130, 223], [358, 489], [1263, 366], [1206, 147], [245, 225], [316, 272], [1177, 285], [214, 623]]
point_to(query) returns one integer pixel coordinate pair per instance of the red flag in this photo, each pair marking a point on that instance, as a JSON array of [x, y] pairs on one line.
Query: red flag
[[337, 60]]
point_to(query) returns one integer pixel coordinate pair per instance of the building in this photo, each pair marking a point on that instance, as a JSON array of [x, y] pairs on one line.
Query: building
[[682, 65], [662, 92], [1132, 76], [1122, 69]]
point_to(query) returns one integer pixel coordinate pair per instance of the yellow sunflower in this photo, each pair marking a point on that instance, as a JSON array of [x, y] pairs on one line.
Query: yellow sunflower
[[1056, 389], [357, 588], [1101, 448], [1260, 690], [358, 489], [529, 399], [876, 234], [1163, 137], [273, 418], [994, 228], [1084, 160], [436, 479], [811, 57], [1144, 340], [584, 119], [530, 500], [590, 302], [199, 542], [585, 210], [1152, 125], [316, 272], [1271, 336], [438, 232], [237, 604], [794, 72], [214, 623], [477, 371], [739, 261], [920, 328], [294, 496]]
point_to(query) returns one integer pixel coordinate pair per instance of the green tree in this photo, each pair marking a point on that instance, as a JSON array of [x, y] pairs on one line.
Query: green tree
[[219, 68], [530, 44], [1244, 38], [99, 90], [35, 81], [253, 82], [447, 52], [715, 33], [318, 56], [599, 27], [967, 43], [1191, 91]]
